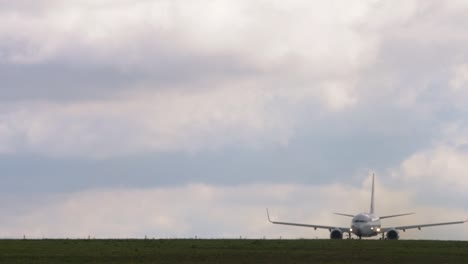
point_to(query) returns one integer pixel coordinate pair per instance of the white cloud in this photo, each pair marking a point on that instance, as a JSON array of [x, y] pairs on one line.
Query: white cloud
[[295, 49], [442, 168], [302, 59], [339, 96], [214, 211], [167, 120], [460, 79], [458, 85], [264, 32], [295, 62], [283, 42]]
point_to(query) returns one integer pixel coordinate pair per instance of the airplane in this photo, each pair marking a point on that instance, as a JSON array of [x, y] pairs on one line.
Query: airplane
[[366, 224]]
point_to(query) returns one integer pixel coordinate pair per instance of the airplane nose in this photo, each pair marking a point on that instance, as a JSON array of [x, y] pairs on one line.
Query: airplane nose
[[356, 229]]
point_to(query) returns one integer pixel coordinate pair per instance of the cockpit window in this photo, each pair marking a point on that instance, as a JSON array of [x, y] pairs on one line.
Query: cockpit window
[[359, 221]]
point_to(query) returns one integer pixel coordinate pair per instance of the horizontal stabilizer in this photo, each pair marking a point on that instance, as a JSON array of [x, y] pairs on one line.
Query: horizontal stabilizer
[[349, 215], [397, 215]]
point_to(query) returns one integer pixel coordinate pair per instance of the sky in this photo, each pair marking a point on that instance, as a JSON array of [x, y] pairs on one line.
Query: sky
[[174, 119]]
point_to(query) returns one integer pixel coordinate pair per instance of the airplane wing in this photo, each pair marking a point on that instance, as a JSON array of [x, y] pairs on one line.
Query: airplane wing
[[342, 229], [421, 226]]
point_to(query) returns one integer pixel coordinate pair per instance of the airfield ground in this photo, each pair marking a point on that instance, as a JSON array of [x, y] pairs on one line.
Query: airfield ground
[[232, 251]]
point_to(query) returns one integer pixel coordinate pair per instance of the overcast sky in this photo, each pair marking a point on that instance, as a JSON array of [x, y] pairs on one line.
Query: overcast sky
[[171, 118]]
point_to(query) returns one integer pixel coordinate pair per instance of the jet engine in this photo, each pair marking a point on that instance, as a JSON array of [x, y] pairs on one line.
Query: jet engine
[[392, 235], [336, 234]]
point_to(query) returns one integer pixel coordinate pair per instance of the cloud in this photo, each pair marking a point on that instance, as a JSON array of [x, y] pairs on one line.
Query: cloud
[[161, 121], [216, 73], [244, 27], [213, 212], [352, 85], [440, 167], [458, 85], [172, 76], [460, 79], [177, 41]]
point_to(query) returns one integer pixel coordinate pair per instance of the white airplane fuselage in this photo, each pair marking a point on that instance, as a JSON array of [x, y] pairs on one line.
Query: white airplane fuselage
[[365, 225]]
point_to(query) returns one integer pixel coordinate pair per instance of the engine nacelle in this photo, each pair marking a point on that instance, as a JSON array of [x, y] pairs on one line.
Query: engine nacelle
[[336, 234], [393, 235]]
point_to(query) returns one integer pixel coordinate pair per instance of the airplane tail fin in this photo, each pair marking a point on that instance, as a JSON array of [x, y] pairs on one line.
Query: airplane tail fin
[[372, 196]]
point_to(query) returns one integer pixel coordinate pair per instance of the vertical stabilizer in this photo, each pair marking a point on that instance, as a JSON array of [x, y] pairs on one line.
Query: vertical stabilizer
[[372, 196]]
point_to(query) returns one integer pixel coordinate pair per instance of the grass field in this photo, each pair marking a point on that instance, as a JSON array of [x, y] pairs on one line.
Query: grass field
[[232, 251]]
